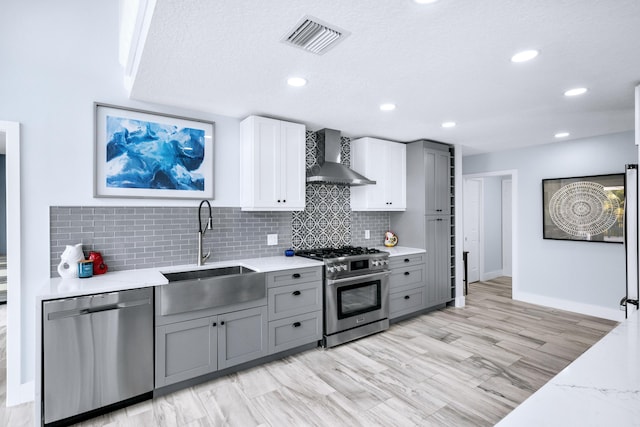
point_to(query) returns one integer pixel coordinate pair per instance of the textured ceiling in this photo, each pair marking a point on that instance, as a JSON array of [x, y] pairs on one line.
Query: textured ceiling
[[445, 61]]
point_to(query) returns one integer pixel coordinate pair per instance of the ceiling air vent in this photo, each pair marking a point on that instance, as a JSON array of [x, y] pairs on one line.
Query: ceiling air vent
[[314, 36]]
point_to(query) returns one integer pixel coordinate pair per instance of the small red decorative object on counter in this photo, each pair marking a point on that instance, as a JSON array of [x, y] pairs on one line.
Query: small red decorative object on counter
[[99, 267]]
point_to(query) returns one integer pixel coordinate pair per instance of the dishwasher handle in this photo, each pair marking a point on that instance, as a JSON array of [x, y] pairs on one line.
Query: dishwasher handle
[[107, 307]]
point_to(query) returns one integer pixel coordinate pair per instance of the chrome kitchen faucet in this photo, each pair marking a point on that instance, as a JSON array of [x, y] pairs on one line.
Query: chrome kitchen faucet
[[201, 231]]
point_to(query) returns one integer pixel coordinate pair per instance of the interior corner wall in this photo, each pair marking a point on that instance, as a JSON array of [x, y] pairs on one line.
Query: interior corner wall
[[3, 204], [492, 225], [590, 275]]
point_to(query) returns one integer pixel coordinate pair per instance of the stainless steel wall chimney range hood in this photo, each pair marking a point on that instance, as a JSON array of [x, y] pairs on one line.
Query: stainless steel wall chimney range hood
[[329, 169]]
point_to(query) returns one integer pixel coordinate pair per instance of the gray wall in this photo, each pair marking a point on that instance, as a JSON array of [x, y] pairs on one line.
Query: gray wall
[[580, 272], [492, 223]]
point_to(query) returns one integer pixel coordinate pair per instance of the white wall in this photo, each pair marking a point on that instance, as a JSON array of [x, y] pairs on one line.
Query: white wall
[[58, 58], [580, 276]]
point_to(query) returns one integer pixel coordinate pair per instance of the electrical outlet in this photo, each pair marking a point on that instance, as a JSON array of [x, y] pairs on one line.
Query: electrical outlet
[[367, 235], [272, 239]]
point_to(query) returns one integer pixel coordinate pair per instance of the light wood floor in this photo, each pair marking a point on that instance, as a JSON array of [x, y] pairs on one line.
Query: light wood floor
[[454, 367]]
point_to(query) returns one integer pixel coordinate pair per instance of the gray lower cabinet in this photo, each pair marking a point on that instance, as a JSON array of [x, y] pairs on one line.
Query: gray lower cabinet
[[186, 350], [406, 302], [295, 308], [242, 336], [189, 345], [286, 301], [192, 348], [294, 331], [407, 284]]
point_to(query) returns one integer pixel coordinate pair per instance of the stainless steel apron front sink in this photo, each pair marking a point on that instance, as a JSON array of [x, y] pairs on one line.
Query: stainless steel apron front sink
[[200, 289]]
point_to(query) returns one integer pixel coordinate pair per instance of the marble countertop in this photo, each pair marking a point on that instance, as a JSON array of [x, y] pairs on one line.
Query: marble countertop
[[600, 388], [400, 250], [129, 279]]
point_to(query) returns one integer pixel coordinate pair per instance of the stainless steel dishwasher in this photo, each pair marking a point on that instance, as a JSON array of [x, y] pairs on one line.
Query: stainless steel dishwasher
[[97, 351]]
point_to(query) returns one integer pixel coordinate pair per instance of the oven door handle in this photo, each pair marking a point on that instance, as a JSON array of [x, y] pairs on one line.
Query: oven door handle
[[331, 282]]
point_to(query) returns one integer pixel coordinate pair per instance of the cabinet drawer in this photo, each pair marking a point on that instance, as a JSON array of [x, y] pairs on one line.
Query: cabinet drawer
[[406, 260], [286, 301], [407, 276], [401, 303], [294, 331], [290, 277]]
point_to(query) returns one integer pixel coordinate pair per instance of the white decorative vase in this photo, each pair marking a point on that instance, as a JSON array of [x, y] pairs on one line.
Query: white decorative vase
[[68, 267]]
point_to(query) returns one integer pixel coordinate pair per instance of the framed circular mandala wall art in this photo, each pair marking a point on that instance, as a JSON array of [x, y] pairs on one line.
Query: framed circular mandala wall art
[[589, 208]]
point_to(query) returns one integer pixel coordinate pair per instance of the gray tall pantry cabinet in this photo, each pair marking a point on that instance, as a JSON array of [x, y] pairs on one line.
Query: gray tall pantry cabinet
[[428, 221]]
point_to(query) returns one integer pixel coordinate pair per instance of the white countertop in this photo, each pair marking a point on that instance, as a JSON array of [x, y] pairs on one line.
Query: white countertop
[[400, 250], [600, 388], [129, 279]]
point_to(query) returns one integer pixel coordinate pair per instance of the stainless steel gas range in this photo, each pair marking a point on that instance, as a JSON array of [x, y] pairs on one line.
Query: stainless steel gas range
[[356, 292]]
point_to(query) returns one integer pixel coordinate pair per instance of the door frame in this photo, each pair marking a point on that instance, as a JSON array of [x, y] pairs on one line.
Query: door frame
[[515, 289], [17, 392], [504, 186]]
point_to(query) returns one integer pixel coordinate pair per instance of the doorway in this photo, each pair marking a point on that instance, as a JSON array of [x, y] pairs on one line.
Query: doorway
[[490, 225], [3, 219], [472, 190], [17, 391]]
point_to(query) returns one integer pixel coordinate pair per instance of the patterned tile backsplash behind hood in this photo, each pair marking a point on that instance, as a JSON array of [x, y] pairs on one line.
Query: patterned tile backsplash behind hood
[[327, 220]]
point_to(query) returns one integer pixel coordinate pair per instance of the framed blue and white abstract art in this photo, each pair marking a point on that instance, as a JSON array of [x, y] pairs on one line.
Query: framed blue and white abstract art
[[145, 154]]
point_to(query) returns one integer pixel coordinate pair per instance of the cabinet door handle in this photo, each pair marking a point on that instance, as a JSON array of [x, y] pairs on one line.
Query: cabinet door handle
[[222, 323], [406, 273], [407, 297], [214, 324], [296, 275], [295, 293], [406, 260], [297, 324]]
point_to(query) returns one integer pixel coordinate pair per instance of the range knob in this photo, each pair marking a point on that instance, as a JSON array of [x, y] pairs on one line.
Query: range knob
[[375, 263], [343, 267], [331, 269]]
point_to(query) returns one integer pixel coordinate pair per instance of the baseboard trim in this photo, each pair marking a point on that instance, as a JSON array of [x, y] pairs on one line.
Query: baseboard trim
[[576, 307], [491, 275]]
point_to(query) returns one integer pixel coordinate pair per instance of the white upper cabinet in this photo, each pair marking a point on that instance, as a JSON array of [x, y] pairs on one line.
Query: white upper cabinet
[[384, 162], [272, 165]]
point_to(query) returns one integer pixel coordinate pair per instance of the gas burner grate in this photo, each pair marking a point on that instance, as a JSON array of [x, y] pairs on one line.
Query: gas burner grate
[[326, 253]]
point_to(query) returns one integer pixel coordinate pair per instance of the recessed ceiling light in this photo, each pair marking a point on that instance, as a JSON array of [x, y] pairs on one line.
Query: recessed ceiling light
[[448, 124], [425, 1], [387, 107], [562, 134], [296, 81], [525, 55], [575, 91]]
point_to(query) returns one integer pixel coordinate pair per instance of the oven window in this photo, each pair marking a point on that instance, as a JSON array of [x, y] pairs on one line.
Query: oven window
[[359, 298]]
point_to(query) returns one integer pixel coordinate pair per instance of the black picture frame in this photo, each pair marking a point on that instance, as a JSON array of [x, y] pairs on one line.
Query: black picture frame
[[584, 208]]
